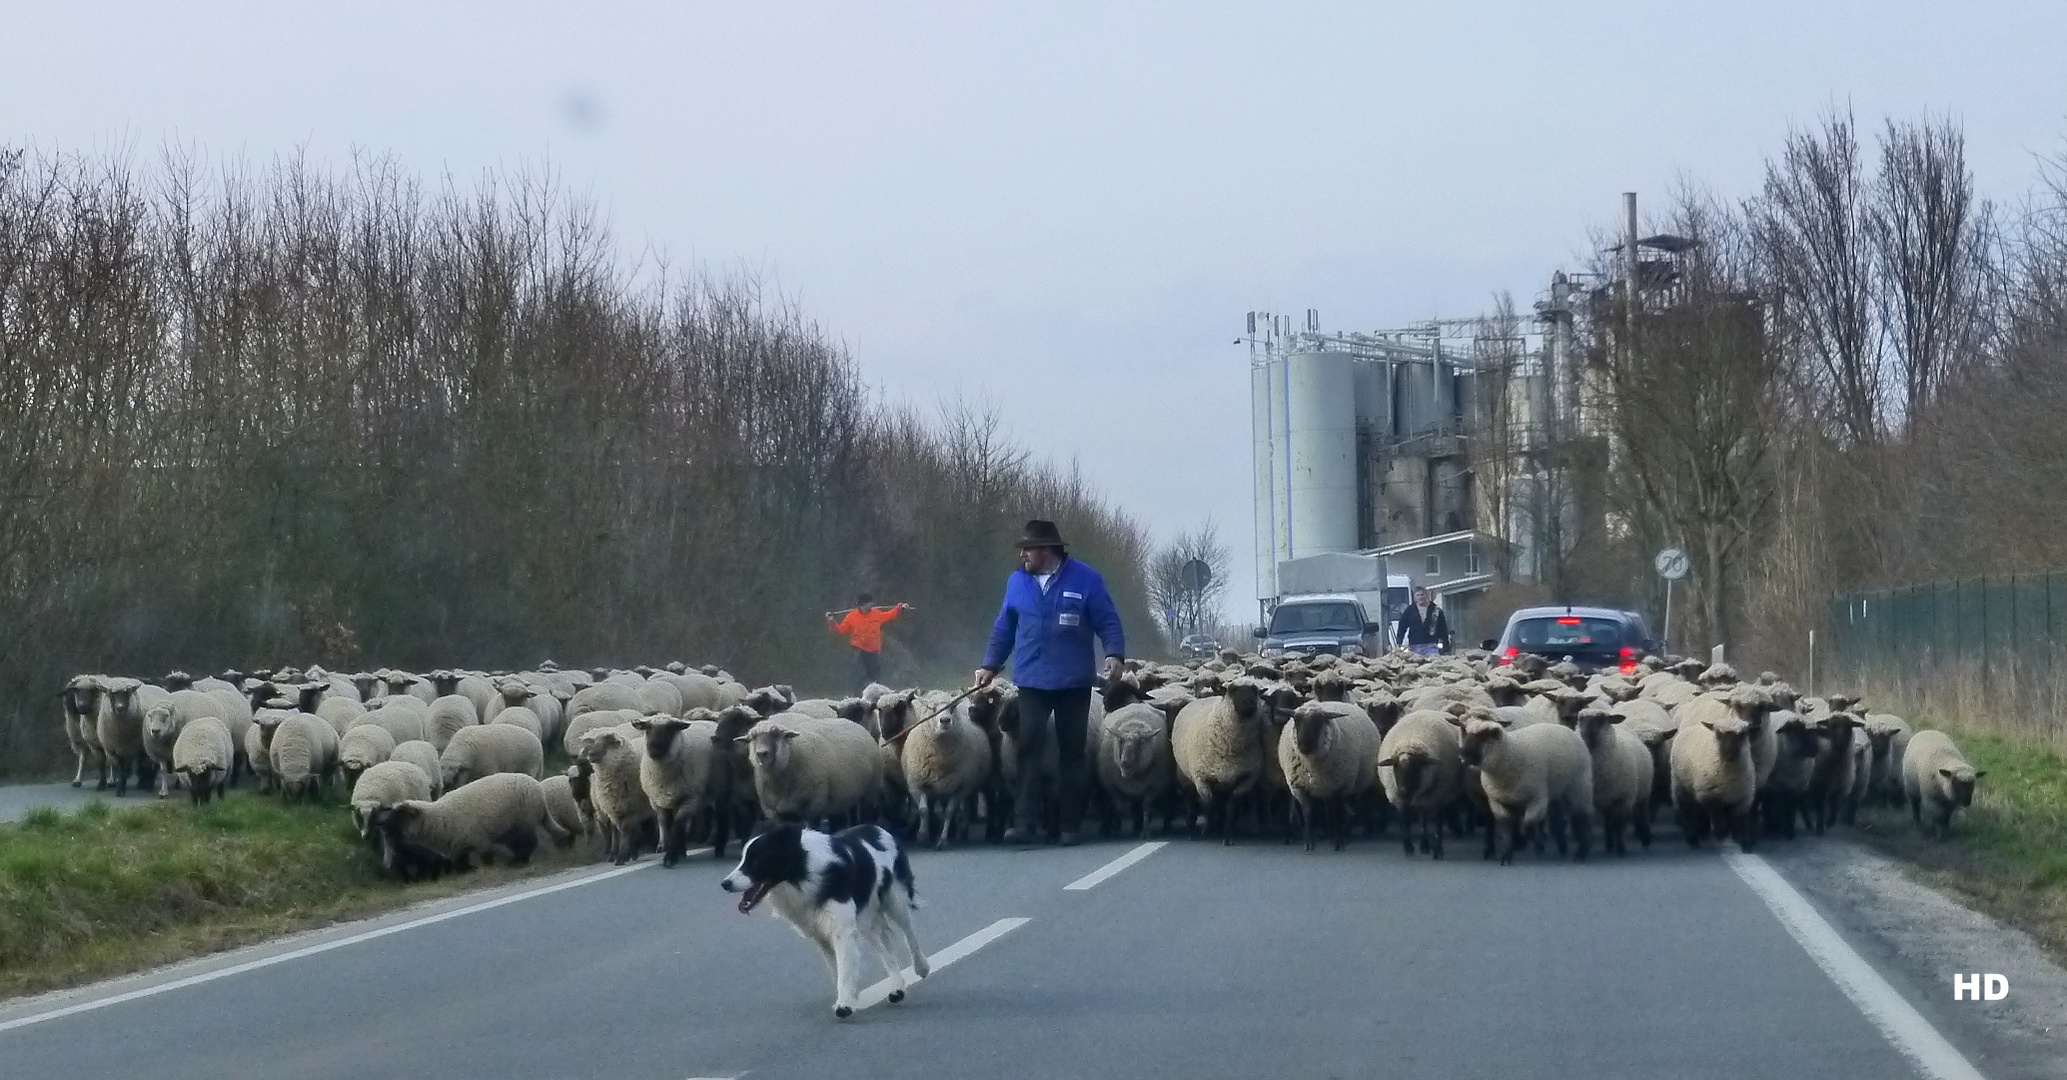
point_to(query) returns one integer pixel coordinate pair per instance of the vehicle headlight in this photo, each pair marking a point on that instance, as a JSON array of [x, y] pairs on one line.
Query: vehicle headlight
[[1271, 650], [1352, 650]]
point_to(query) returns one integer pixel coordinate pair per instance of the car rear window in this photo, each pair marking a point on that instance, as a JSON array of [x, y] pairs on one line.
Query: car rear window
[[1315, 618], [1567, 632]]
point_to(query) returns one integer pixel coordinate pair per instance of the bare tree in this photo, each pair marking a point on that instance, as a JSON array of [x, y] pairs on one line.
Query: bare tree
[[1174, 592]]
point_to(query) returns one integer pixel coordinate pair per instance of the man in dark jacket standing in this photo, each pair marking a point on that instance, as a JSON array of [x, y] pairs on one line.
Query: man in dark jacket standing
[[1053, 606], [1423, 627]]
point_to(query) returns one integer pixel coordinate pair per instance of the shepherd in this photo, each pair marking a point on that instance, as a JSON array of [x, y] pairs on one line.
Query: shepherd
[[862, 626], [1053, 606]]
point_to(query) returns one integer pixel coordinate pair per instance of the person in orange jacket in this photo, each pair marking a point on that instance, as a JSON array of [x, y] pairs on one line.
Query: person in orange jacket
[[863, 628]]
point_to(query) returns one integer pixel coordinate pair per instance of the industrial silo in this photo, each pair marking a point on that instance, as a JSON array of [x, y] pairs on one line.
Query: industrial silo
[[1320, 426]]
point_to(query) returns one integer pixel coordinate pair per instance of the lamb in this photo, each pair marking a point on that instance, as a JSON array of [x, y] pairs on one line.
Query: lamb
[[1421, 771], [1217, 746], [1329, 753], [121, 729], [389, 783], [424, 756], [1713, 777], [362, 748], [162, 725], [1936, 776], [82, 701], [1621, 777], [1533, 776], [809, 768], [205, 755], [448, 716], [488, 749], [623, 813], [561, 805], [522, 717], [304, 754], [1888, 736], [675, 773], [946, 760], [500, 813]]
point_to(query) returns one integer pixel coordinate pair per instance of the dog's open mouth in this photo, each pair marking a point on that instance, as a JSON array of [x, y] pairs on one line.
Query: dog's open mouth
[[753, 895]]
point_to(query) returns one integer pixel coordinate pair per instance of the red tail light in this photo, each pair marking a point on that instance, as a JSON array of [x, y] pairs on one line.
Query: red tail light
[[1628, 652], [1568, 621], [1512, 652], [1628, 667]]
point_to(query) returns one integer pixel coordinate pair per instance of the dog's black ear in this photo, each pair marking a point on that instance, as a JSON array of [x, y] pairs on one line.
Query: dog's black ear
[[764, 826]]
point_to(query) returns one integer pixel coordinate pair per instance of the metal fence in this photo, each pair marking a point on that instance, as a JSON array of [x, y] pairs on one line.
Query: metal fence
[[1991, 651]]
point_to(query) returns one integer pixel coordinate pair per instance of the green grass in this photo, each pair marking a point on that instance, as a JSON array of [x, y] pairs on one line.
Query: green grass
[[106, 890], [2008, 855]]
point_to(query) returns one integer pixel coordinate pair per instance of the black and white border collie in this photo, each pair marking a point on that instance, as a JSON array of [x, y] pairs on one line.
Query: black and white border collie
[[839, 890]]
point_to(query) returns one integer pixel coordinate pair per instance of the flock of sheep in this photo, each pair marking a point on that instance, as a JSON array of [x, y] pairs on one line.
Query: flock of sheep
[[448, 767]]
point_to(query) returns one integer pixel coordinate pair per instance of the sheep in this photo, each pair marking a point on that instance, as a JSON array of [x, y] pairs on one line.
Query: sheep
[[402, 724], [488, 749], [402, 682], [734, 805], [895, 711], [1533, 776], [515, 693], [1786, 786], [82, 701], [1713, 777], [304, 754], [258, 745], [1421, 770], [522, 717], [1888, 737], [604, 697], [162, 724], [362, 748], [675, 773], [500, 813], [121, 729], [623, 814], [1835, 771], [472, 687], [342, 713], [581, 725], [562, 806], [1130, 754], [1621, 777], [769, 700], [1217, 746], [204, 754], [423, 755], [449, 715], [945, 762], [1329, 754], [809, 768], [386, 784], [1653, 726], [1936, 776], [659, 698]]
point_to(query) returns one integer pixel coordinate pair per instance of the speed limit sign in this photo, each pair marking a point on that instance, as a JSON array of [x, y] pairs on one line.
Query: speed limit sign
[[1672, 564]]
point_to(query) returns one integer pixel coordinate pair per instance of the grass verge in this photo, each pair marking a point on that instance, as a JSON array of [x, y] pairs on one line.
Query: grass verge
[[2008, 855], [106, 891]]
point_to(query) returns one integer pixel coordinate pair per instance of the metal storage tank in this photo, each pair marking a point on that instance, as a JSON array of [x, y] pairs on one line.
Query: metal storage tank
[[1266, 412], [1320, 426]]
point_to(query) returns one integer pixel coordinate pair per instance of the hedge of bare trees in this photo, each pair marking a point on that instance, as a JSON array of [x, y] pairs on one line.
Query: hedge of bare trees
[[293, 416]]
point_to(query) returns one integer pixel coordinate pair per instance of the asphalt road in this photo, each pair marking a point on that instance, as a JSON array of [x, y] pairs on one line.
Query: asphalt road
[[19, 799], [1198, 961]]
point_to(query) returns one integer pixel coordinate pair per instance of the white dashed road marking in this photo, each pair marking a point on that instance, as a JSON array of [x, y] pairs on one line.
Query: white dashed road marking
[[875, 994], [1109, 869], [1898, 1021]]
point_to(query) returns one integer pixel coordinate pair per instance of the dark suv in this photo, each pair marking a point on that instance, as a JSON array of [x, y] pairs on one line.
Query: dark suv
[[1593, 638]]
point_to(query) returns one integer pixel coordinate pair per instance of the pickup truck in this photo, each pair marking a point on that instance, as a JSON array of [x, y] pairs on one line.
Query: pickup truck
[[1334, 623]]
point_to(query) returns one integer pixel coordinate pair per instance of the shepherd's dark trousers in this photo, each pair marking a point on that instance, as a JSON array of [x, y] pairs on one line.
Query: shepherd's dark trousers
[[1063, 713]]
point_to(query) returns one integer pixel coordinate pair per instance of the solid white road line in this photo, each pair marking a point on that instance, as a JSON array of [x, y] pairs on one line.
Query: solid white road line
[[312, 950], [874, 995], [1898, 1021], [1109, 869]]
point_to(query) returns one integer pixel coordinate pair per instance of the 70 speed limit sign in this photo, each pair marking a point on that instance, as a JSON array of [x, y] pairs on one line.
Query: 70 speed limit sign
[[1672, 564]]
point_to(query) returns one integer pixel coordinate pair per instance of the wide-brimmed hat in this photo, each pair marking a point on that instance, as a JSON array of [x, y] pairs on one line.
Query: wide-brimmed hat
[[1039, 533]]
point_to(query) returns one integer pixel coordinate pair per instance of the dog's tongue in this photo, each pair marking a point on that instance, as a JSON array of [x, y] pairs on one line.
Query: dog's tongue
[[751, 897]]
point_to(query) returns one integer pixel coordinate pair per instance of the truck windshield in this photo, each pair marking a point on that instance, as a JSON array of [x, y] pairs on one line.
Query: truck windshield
[[1315, 618]]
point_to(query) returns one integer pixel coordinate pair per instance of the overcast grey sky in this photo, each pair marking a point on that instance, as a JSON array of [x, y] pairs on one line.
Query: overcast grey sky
[[1065, 208]]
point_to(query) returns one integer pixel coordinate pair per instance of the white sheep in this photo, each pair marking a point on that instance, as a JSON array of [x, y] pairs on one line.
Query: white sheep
[[408, 722], [82, 701], [423, 755], [341, 712], [1781, 798], [304, 755], [524, 718], [389, 783], [1888, 737], [623, 814], [1713, 777], [499, 813], [1217, 746], [605, 697], [1329, 754], [449, 715], [121, 729], [362, 748], [1421, 770], [945, 762], [675, 774], [1535, 776], [1621, 777], [809, 768], [475, 688], [1130, 755], [204, 755], [488, 749], [402, 682], [562, 806], [1836, 770], [163, 723], [1936, 776], [583, 723]]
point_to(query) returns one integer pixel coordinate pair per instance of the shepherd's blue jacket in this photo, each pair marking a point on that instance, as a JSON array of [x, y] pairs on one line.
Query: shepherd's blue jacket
[[1048, 636]]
